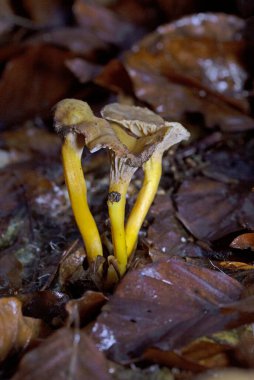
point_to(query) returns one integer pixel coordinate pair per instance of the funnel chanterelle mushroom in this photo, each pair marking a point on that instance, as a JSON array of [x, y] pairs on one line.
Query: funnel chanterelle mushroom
[[124, 162], [75, 120], [69, 113], [143, 122]]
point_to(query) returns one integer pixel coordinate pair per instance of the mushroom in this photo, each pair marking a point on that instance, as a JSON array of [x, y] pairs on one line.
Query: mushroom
[[76, 122], [141, 122], [125, 159], [69, 113]]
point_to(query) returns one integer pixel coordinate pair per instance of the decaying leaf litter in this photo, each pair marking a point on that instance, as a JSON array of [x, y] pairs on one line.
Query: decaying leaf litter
[[185, 305]]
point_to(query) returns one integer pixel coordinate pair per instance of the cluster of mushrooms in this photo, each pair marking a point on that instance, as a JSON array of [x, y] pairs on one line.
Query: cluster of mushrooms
[[134, 137]]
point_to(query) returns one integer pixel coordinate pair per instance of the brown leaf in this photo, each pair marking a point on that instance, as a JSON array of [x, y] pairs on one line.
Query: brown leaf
[[82, 69], [16, 331], [234, 266], [47, 14], [164, 305], [176, 8], [32, 83], [115, 77], [199, 355], [66, 355], [71, 265], [25, 140], [166, 234], [227, 374], [180, 68], [86, 307], [6, 19], [245, 348], [103, 23], [209, 209], [45, 304], [244, 241], [76, 39], [10, 274]]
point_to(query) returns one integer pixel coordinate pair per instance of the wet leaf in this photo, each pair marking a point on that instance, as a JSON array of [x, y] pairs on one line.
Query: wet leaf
[[86, 308], [16, 331], [45, 304], [209, 209], [235, 164], [164, 305], [180, 69], [166, 234], [66, 355], [40, 74]]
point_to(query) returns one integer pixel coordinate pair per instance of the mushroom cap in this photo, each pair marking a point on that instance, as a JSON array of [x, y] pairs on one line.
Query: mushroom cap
[[139, 120], [75, 116], [69, 112], [143, 122]]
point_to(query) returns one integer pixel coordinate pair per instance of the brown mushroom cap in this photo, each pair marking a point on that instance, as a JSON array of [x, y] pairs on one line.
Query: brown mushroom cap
[[143, 122], [139, 120], [75, 116]]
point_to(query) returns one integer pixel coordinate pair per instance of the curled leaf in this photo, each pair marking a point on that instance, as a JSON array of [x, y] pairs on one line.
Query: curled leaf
[[244, 241]]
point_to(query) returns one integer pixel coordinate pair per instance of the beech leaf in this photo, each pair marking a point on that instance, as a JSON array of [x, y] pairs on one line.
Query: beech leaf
[[164, 305]]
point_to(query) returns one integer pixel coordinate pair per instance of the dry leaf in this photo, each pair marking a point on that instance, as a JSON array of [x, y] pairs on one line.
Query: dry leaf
[[16, 331], [244, 241]]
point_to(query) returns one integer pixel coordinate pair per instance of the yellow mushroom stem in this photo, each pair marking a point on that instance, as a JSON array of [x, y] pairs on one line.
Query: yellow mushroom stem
[[152, 174], [116, 208], [76, 185]]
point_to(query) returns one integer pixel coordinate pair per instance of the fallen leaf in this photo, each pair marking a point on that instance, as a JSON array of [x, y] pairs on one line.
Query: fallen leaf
[[115, 77], [164, 305], [25, 140], [16, 331], [50, 13], [10, 274], [174, 9], [67, 354], [82, 69], [104, 23], [244, 241], [76, 39], [45, 304], [234, 265], [40, 74], [244, 351], [179, 69], [166, 234], [85, 309], [210, 209], [227, 374]]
